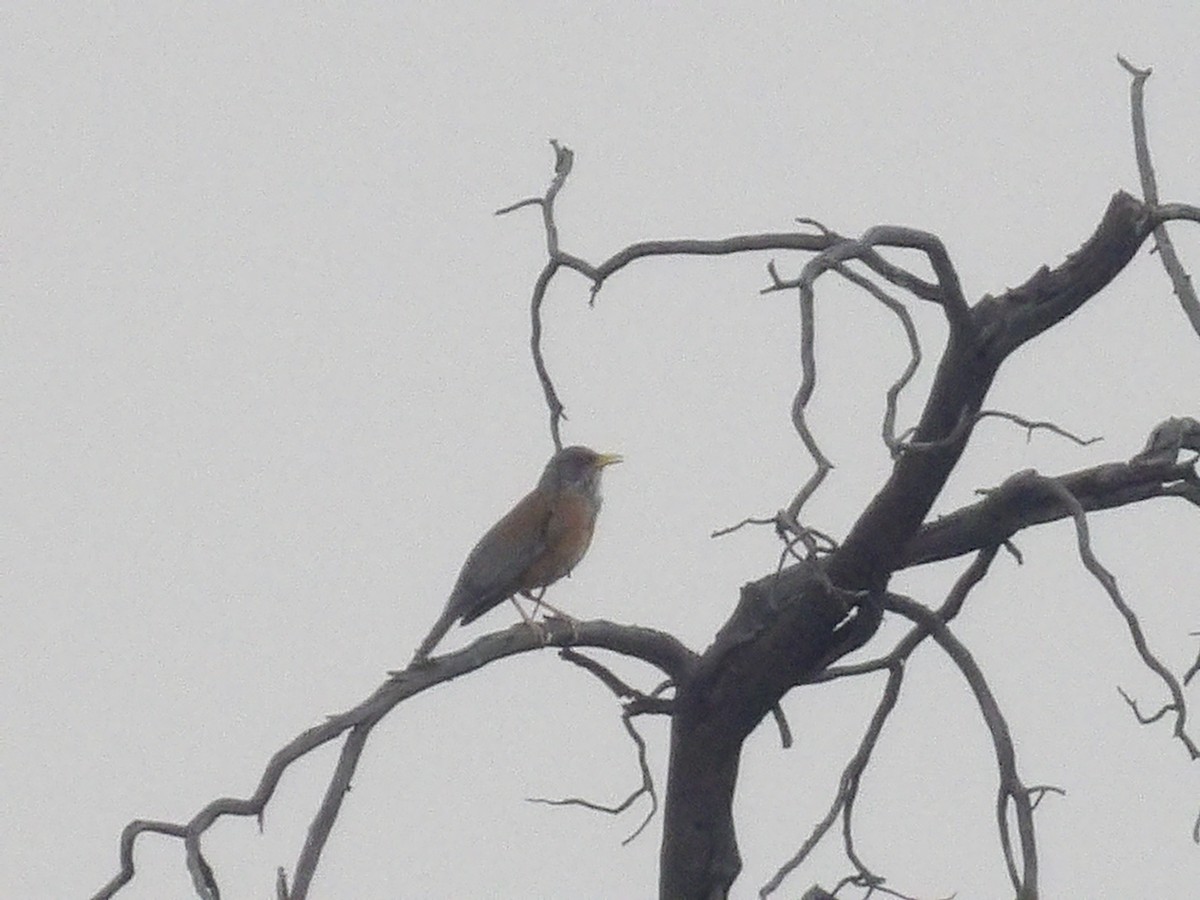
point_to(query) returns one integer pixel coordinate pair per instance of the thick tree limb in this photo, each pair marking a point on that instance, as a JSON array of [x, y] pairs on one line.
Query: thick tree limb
[[1050, 295], [1018, 504]]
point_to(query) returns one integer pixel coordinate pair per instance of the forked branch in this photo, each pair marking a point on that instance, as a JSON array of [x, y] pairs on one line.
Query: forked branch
[[653, 647], [949, 292], [893, 663]]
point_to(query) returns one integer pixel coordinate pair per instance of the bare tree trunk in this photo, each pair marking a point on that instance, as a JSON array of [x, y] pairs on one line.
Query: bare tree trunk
[[701, 859], [751, 664]]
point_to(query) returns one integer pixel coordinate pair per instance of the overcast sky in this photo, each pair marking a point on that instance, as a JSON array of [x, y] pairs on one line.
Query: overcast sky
[[264, 355]]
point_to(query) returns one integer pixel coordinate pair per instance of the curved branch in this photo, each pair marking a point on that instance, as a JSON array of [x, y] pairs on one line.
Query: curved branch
[[1109, 583], [564, 159], [914, 353], [847, 786], [129, 834], [557, 410], [1175, 212], [656, 648], [808, 382], [1011, 789]]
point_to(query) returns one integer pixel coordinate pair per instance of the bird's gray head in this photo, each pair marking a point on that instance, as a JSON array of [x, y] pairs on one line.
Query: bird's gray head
[[576, 468]]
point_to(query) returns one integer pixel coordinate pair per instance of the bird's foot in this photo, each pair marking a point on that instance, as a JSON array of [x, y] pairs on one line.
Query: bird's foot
[[571, 621], [542, 632]]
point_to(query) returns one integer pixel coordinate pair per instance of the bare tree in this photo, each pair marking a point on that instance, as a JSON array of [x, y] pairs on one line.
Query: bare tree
[[826, 598]]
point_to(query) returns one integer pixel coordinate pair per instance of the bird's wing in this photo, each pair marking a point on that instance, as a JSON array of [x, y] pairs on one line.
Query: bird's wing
[[494, 567]]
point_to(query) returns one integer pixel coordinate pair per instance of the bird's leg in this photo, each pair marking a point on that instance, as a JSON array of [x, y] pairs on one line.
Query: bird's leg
[[539, 630], [536, 598]]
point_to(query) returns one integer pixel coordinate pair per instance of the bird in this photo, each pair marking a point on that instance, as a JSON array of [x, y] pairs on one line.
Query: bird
[[541, 539]]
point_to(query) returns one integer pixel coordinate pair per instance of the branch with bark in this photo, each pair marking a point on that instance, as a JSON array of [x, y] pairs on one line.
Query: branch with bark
[[657, 649]]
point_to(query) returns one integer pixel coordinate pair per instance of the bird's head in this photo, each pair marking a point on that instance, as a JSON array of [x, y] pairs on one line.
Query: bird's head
[[576, 467]]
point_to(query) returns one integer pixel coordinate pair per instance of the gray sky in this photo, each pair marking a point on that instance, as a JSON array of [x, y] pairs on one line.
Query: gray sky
[[266, 379]]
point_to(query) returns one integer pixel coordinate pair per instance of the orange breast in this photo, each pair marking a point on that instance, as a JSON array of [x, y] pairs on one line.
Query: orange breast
[[568, 534]]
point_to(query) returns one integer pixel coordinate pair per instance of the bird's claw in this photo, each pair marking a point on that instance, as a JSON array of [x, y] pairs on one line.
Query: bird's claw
[[543, 633], [572, 623]]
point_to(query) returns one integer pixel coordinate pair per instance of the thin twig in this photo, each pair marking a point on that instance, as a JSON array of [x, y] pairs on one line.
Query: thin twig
[[1192, 669], [640, 704], [1038, 792], [606, 675], [553, 402], [968, 422], [646, 787], [730, 529], [1143, 718], [781, 722]]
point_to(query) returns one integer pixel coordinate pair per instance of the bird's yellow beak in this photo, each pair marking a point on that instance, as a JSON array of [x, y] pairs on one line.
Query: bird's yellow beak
[[607, 459]]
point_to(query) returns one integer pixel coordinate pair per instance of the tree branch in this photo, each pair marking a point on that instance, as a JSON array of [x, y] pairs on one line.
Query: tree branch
[[948, 294], [1181, 282], [653, 647], [1019, 503], [1050, 295], [1109, 583], [893, 663], [1011, 790], [971, 576], [623, 691], [847, 787]]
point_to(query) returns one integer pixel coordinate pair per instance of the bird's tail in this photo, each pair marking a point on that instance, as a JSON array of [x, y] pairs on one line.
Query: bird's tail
[[440, 627]]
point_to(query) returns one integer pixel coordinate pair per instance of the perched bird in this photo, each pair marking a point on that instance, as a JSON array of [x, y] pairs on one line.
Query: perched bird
[[540, 540]]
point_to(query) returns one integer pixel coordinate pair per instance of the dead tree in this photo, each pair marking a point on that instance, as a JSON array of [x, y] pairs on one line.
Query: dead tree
[[826, 598]]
